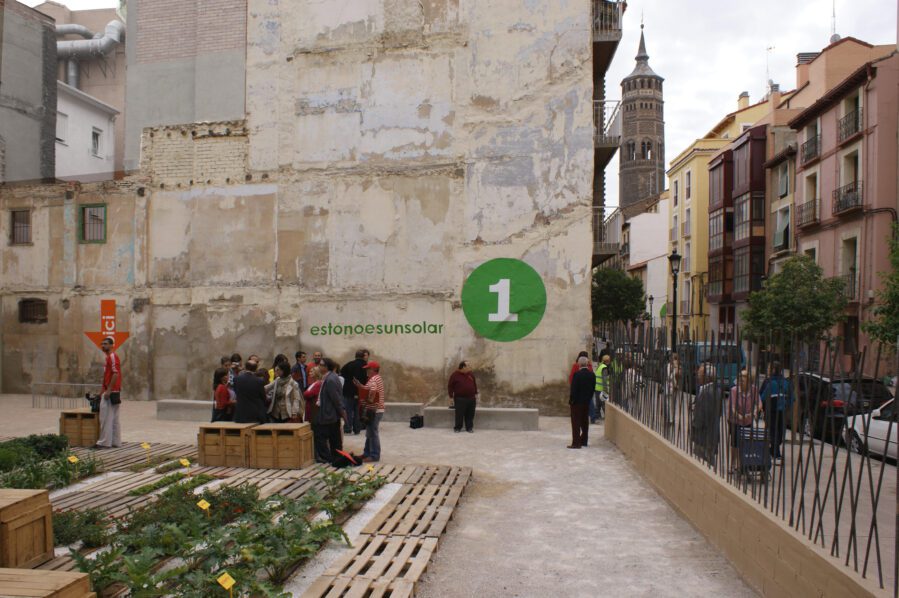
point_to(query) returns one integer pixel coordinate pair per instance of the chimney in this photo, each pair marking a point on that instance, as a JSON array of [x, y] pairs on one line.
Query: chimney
[[802, 67], [773, 94], [743, 101]]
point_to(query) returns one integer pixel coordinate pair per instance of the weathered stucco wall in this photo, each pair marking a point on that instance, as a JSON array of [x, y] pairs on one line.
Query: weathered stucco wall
[[389, 149]]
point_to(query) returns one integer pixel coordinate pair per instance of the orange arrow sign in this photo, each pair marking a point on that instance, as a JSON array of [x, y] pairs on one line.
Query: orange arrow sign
[[107, 326]]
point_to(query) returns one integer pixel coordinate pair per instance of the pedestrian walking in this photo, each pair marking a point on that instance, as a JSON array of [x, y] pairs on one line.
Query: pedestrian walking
[[574, 369], [743, 406], [463, 392], [602, 385], [353, 372], [326, 424], [110, 397], [582, 388], [223, 409], [375, 407], [777, 397], [706, 415], [287, 402], [249, 406]]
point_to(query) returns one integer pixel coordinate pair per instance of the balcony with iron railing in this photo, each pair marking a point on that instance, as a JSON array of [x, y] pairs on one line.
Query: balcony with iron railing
[[673, 235], [850, 285], [685, 307], [607, 20], [807, 213], [849, 125], [810, 150], [848, 198], [625, 249], [602, 249], [606, 124], [685, 227]]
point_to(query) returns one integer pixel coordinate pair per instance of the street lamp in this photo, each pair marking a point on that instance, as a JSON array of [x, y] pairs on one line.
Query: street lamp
[[674, 261], [650, 298]]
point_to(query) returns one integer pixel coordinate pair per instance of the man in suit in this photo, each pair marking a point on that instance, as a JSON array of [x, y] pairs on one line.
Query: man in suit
[[250, 391]]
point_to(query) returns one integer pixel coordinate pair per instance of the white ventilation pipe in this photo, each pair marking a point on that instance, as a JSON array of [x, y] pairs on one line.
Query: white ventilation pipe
[[95, 47]]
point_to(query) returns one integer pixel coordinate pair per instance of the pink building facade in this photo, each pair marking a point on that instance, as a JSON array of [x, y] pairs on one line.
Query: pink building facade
[[846, 190]]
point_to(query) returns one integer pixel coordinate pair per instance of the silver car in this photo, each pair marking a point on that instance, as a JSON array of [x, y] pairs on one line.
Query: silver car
[[874, 432]]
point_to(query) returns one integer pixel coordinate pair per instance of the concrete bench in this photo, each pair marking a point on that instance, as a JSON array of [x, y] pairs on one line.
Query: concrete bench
[[486, 418], [201, 411], [184, 410]]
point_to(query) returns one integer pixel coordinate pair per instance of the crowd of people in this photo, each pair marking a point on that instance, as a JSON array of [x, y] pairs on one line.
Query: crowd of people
[[318, 391]]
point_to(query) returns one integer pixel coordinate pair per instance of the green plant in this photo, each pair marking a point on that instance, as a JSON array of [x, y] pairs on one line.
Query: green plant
[[89, 526], [347, 490], [160, 483], [46, 446], [797, 302], [170, 466], [104, 569], [884, 324], [616, 296]]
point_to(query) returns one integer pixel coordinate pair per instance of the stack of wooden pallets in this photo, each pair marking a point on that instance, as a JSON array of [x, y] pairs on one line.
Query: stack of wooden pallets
[[396, 546]]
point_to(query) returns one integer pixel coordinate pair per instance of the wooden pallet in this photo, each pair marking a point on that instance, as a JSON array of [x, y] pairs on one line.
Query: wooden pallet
[[60, 563], [390, 562], [114, 504], [131, 453], [422, 510]]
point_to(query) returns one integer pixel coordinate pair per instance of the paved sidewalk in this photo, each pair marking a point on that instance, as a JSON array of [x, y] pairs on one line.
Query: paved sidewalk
[[537, 520]]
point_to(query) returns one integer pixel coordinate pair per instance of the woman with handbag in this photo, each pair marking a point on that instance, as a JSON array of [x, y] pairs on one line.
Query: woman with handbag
[[286, 405]]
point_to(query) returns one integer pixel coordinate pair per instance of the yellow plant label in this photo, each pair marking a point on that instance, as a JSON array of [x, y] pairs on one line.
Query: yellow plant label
[[226, 581], [145, 446], [73, 459], [204, 504], [185, 463]]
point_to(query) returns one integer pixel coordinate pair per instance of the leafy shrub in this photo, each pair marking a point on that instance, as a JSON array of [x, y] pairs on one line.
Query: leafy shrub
[[160, 483], [46, 446], [89, 526]]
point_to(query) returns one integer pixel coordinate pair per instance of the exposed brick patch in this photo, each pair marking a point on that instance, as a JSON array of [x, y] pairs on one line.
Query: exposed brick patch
[[198, 154], [178, 29]]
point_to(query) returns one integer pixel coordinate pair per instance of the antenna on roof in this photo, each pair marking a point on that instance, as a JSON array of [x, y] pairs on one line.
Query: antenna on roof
[[768, 65], [834, 37]]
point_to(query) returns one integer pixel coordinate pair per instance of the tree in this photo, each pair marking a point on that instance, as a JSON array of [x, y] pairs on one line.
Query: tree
[[796, 303], [617, 297], [884, 324]]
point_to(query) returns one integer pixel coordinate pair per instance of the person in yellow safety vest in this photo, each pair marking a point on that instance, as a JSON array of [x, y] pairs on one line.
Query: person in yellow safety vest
[[601, 390]]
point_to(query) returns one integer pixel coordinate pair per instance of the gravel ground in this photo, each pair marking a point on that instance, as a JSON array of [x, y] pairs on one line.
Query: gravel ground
[[537, 519]]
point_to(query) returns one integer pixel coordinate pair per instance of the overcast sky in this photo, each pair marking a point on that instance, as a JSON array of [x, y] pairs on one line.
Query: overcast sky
[[709, 51]]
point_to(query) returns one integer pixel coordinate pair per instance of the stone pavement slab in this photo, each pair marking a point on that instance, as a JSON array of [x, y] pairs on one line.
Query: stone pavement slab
[[537, 519]]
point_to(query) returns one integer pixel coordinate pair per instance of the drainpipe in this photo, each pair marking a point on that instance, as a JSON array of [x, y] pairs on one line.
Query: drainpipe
[[94, 46]]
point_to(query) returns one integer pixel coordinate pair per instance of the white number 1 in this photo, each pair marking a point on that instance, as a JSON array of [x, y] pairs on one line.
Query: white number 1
[[501, 288]]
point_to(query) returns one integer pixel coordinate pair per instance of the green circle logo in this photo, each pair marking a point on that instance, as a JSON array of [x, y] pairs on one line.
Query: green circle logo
[[504, 299]]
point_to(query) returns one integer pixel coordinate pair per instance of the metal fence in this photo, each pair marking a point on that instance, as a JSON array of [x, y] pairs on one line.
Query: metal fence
[[61, 395], [806, 446]]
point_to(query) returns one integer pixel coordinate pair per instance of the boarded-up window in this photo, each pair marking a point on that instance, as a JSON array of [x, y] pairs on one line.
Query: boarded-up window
[[33, 311]]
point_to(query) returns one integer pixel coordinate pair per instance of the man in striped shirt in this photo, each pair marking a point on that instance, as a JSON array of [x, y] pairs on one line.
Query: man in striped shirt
[[373, 402]]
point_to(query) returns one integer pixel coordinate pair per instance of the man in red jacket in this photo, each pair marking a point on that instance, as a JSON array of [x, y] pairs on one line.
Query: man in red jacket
[[463, 391]]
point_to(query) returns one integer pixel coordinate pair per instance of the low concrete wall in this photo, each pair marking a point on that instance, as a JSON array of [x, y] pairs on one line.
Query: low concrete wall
[[486, 418], [201, 411], [400, 412], [184, 410], [769, 555]]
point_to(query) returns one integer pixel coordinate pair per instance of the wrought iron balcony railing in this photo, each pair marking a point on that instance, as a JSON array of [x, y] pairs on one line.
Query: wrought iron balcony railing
[[807, 213], [811, 149], [848, 197], [606, 123], [849, 125], [607, 20], [850, 285]]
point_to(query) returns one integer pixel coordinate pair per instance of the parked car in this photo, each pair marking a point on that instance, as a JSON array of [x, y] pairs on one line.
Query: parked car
[[825, 403], [874, 432]]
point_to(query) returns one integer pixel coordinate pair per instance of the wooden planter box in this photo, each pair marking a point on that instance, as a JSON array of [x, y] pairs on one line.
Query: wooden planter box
[[81, 426], [280, 446], [26, 528], [41, 584], [223, 444]]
